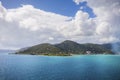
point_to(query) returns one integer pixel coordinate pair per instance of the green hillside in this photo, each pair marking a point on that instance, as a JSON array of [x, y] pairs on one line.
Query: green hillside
[[65, 48]]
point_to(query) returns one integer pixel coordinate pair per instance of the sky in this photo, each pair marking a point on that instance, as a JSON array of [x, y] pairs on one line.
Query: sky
[[25, 23], [68, 8]]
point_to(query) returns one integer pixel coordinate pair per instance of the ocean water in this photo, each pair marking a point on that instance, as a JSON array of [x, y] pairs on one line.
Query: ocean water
[[83, 67]]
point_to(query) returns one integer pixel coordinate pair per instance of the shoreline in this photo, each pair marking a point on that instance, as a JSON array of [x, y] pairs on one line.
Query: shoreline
[[66, 55]]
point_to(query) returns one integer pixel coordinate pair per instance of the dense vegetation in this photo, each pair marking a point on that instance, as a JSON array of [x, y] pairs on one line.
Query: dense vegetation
[[65, 48]]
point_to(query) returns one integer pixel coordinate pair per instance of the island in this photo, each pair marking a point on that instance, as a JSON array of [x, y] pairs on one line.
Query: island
[[66, 48]]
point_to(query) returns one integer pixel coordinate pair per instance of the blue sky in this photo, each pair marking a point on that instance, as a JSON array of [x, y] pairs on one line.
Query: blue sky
[[53, 21], [63, 7]]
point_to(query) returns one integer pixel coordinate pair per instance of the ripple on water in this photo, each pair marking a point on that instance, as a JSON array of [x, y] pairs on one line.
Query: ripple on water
[[87, 67]]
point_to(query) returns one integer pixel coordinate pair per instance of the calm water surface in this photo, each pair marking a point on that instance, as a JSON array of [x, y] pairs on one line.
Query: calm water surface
[[89, 67]]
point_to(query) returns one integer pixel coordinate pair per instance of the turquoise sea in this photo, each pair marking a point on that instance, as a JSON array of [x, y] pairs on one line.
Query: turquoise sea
[[82, 67]]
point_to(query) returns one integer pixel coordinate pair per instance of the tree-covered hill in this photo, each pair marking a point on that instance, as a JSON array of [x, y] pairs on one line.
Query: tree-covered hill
[[66, 48]]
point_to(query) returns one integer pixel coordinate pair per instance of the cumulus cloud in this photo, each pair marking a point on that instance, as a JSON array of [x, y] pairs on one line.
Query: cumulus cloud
[[26, 25], [81, 25], [107, 18]]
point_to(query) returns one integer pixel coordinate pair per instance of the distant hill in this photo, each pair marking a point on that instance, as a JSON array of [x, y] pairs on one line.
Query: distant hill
[[66, 48], [6, 52], [116, 47], [70, 47], [40, 49]]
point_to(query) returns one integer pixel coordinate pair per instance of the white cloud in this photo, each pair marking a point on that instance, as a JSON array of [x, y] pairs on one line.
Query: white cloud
[[81, 25], [107, 18], [34, 19], [51, 38], [2, 11], [26, 25]]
